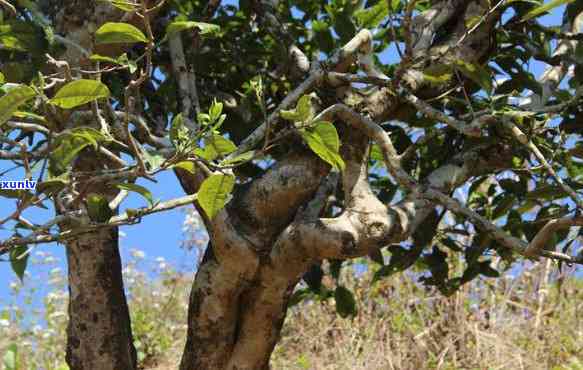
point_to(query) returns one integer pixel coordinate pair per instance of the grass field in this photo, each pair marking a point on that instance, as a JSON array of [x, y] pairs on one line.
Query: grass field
[[529, 321]]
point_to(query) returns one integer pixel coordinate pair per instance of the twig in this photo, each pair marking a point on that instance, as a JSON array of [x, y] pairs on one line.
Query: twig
[[128, 217], [523, 139]]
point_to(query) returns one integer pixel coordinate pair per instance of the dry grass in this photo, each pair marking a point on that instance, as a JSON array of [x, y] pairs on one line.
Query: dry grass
[[401, 325], [488, 325]]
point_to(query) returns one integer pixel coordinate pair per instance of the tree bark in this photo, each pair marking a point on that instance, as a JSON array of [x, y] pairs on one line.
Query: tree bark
[[270, 233], [99, 333]]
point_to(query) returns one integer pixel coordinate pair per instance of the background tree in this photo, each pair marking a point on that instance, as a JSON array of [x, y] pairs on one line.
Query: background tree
[[322, 153]]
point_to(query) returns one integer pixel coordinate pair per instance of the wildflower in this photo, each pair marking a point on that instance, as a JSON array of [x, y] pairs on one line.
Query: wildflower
[[137, 254]]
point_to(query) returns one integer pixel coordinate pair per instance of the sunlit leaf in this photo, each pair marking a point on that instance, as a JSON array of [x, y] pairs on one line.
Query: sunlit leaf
[[122, 60], [244, 157], [187, 166], [70, 144], [220, 145], [116, 33], [20, 36], [178, 131], [205, 29], [545, 8], [98, 208], [372, 16], [127, 6], [79, 92], [323, 140], [301, 113], [13, 99], [147, 194], [214, 193]]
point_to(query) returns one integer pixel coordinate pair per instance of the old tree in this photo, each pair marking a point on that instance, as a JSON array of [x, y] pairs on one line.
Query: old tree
[[305, 132]]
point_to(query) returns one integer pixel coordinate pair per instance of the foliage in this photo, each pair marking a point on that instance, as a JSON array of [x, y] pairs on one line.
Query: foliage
[[223, 96]]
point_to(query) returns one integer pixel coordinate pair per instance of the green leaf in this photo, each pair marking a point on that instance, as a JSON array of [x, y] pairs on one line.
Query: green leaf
[[91, 135], [116, 33], [214, 193], [2, 78], [301, 113], [437, 74], [126, 6], [205, 29], [395, 4], [476, 73], [215, 111], [472, 21], [10, 359], [178, 131], [345, 302], [376, 154], [323, 140], [69, 144], [373, 16], [544, 8], [138, 189], [376, 255], [243, 157], [313, 277], [13, 99], [98, 208], [122, 60], [20, 36], [153, 159], [18, 260], [187, 166], [79, 92], [52, 185], [29, 115], [219, 145], [401, 259]]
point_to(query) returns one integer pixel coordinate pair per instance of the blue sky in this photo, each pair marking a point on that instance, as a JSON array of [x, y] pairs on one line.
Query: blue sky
[[157, 235]]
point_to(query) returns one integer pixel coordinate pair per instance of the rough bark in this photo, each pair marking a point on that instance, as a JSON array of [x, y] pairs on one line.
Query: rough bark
[[269, 235], [99, 332]]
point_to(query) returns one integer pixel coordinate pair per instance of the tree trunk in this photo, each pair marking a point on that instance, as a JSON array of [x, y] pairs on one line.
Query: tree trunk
[[99, 332]]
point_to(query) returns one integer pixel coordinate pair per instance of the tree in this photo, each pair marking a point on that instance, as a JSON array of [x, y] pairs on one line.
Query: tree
[[296, 141]]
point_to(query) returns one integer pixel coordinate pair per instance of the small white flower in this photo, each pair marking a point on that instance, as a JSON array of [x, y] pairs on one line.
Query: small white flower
[[138, 254], [48, 333]]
